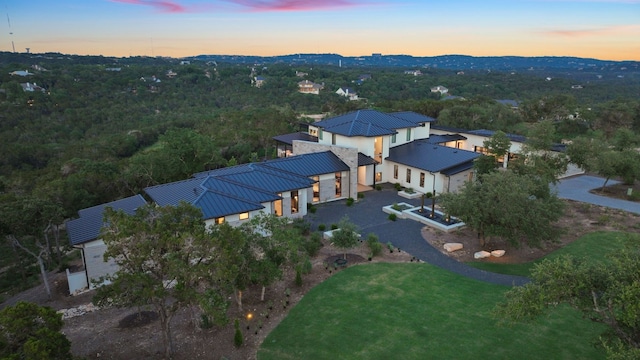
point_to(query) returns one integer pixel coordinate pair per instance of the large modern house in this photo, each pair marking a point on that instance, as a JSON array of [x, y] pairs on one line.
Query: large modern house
[[334, 159]]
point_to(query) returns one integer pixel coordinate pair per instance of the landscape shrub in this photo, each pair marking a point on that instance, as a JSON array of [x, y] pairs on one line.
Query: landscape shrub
[[360, 195], [307, 266], [378, 187], [322, 227], [374, 244], [303, 226], [334, 226], [393, 217], [350, 201], [237, 337], [312, 244], [311, 208], [397, 186], [298, 278]]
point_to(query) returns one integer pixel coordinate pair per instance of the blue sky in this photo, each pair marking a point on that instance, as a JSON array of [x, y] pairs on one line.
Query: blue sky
[[604, 29]]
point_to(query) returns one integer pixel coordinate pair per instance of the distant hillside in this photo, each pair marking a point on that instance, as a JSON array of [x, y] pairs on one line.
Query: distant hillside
[[552, 64]]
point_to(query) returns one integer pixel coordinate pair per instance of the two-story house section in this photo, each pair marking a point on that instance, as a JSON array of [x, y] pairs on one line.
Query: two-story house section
[[372, 134]]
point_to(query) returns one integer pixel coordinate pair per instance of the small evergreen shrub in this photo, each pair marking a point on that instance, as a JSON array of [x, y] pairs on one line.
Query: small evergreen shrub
[[397, 186], [379, 187], [390, 246], [360, 195], [350, 201], [307, 266], [374, 244], [393, 217], [311, 208], [298, 278], [312, 244], [396, 207], [237, 337], [334, 226], [322, 227]]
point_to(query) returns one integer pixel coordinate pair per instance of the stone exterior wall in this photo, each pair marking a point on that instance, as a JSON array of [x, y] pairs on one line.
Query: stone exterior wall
[[348, 155]]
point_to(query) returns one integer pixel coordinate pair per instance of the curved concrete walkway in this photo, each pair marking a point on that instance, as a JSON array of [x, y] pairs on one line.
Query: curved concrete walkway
[[578, 187], [406, 234]]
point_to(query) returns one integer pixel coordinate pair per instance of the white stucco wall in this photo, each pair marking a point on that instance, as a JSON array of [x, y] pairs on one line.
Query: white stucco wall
[[96, 267]]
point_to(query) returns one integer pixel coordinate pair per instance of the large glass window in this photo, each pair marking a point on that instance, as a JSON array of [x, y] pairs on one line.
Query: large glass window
[[294, 202], [316, 189], [408, 176], [395, 172], [421, 179], [338, 184]]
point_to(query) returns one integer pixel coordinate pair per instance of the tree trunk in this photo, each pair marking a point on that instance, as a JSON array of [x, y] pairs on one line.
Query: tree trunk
[[605, 183], [239, 299], [56, 236], [43, 272], [38, 257], [262, 295], [21, 267], [165, 322]]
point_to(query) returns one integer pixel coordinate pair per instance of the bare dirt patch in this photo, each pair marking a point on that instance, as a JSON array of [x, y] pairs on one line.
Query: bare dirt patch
[[120, 334]]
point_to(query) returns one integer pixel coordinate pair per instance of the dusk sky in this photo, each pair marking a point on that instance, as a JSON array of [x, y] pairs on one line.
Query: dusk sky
[[603, 29]]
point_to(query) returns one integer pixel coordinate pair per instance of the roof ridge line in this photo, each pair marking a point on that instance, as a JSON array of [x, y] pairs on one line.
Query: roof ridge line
[[234, 182]]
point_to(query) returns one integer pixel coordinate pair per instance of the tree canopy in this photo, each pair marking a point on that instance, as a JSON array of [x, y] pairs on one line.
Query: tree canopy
[[605, 292], [518, 208], [30, 331], [166, 259]]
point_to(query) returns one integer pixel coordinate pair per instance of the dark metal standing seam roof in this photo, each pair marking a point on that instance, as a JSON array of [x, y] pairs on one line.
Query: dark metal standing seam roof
[[364, 160], [311, 164], [173, 193], [226, 186], [288, 138], [87, 227], [439, 139], [434, 158], [365, 123], [214, 204], [413, 117], [490, 133]]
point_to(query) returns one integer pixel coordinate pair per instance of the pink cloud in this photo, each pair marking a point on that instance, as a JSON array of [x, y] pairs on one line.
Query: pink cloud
[[294, 5], [620, 30], [179, 6], [161, 6]]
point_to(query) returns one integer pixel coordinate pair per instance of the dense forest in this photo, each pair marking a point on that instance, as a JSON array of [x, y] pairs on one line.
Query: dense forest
[[97, 129]]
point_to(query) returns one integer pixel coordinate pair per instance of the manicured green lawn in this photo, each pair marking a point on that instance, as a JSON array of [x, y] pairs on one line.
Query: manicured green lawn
[[418, 311], [593, 246]]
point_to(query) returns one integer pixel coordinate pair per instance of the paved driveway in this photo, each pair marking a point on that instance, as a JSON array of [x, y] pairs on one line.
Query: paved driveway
[[406, 234], [577, 188]]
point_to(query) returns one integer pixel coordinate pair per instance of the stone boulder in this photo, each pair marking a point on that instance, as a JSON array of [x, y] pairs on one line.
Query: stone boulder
[[450, 247], [481, 255], [497, 253]]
